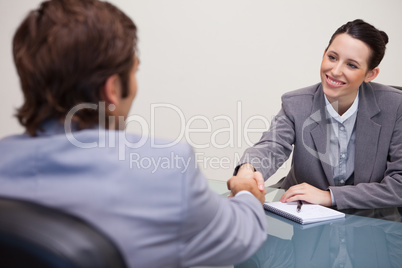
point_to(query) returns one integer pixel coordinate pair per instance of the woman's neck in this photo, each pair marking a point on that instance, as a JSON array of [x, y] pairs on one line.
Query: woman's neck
[[341, 105]]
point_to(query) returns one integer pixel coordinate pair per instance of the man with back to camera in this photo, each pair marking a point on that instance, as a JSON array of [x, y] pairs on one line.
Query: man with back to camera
[[77, 64]]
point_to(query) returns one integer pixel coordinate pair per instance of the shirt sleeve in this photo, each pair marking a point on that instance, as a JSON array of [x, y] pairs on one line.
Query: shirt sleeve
[[243, 192]]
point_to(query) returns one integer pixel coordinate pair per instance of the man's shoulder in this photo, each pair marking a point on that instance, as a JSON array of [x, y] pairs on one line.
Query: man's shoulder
[[156, 145], [124, 141]]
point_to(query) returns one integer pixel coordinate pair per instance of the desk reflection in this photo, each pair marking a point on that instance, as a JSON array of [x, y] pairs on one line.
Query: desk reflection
[[355, 241], [365, 238]]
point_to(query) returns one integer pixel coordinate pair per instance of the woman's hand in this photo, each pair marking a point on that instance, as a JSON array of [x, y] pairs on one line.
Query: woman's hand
[[236, 184], [308, 193], [247, 171]]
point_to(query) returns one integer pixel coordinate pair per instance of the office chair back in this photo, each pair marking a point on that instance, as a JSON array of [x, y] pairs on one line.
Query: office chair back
[[33, 235]]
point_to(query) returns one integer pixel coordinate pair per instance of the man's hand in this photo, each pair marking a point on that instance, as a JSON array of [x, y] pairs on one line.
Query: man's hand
[[247, 171], [237, 184], [309, 193]]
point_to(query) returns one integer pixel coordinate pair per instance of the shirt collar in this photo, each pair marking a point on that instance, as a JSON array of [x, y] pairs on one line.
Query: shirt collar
[[334, 114], [54, 127]]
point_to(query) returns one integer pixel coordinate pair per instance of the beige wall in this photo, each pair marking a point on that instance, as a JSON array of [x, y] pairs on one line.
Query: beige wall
[[220, 63]]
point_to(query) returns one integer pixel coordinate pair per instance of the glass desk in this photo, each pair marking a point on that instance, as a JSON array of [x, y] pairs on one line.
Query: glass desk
[[365, 238]]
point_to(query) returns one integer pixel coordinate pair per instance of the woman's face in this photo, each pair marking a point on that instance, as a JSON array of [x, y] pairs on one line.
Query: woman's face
[[344, 67]]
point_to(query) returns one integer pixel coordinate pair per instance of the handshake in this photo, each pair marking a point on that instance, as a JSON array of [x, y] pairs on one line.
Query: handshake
[[249, 180]]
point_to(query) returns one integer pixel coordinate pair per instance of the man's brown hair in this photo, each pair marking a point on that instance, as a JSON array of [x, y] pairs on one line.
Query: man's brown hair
[[64, 51]]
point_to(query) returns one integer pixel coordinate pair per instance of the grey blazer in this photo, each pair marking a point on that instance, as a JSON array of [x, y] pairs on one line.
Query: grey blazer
[[301, 126], [154, 203]]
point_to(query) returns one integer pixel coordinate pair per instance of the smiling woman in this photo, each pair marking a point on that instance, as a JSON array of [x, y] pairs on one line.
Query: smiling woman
[[345, 132], [344, 68], [351, 58]]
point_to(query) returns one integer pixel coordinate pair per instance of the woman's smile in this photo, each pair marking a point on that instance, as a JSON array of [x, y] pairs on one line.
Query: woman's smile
[[335, 83]]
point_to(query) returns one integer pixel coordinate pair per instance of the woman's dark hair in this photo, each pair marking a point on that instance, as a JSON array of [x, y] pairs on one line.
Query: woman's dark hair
[[368, 34], [64, 52]]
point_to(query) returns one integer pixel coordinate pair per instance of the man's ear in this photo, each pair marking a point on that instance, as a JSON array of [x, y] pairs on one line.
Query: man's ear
[[111, 92], [372, 74]]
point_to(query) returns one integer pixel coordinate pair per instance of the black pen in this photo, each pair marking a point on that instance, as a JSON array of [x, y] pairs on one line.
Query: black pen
[[299, 205]]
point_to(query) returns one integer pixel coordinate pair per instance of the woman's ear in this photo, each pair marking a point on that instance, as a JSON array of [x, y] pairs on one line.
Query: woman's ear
[[111, 92], [372, 74]]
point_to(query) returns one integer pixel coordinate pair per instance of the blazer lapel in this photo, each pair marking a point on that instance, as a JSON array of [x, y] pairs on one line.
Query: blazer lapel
[[367, 134], [320, 133]]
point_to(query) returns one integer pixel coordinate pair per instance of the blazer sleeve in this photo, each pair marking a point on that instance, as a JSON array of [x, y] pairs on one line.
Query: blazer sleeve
[[384, 193], [217, 230], [276, 144], [274, 147]]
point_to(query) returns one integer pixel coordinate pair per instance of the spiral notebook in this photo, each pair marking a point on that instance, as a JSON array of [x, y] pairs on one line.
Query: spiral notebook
[[309, 213]]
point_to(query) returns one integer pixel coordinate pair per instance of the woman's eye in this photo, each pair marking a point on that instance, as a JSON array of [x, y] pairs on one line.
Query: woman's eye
[[352, 66], [331, 57]]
